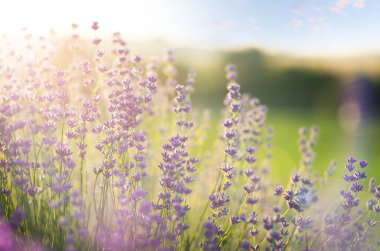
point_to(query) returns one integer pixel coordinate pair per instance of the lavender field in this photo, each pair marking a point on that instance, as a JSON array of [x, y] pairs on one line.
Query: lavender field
[[109, 152]]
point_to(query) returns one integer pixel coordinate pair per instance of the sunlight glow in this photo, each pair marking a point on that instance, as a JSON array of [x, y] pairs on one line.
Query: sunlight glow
[[314, 28], [140, 19]]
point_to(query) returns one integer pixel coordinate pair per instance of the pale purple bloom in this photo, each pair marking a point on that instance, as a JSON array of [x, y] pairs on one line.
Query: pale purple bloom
[[278, 190], [363, 164]]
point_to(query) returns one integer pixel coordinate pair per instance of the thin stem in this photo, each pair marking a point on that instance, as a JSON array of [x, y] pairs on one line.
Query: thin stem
[[323, 227], [306, 240], [238, 213], [204, 210], [290, 238]]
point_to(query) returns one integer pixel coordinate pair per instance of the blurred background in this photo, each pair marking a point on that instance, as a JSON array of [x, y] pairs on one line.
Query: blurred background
[[310, 61]]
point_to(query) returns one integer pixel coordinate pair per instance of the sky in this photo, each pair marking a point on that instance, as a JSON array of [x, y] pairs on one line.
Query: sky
[[304, 27]]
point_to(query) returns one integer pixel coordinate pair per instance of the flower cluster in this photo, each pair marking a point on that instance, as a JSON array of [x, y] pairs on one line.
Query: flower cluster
[[105, 151]]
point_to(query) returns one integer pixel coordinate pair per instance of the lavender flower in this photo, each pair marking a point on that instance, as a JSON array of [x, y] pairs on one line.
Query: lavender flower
[[131, 121]]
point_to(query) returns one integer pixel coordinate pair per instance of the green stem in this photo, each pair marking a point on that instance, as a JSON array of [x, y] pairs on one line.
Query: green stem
[[290, 238], [238, 213], [204, 211]]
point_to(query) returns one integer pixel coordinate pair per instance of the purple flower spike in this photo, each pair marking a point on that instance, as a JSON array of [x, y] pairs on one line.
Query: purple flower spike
[[351, 160], [254, 232], [356, 187], [296, 177], [228, 123], [306, 181], [235, 219], [246, 245], [363, 164], [17, 217], [231, 151], [278, 190], [250, 150], [32, 190], [350, 167], [250, 159], [360, 175]]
